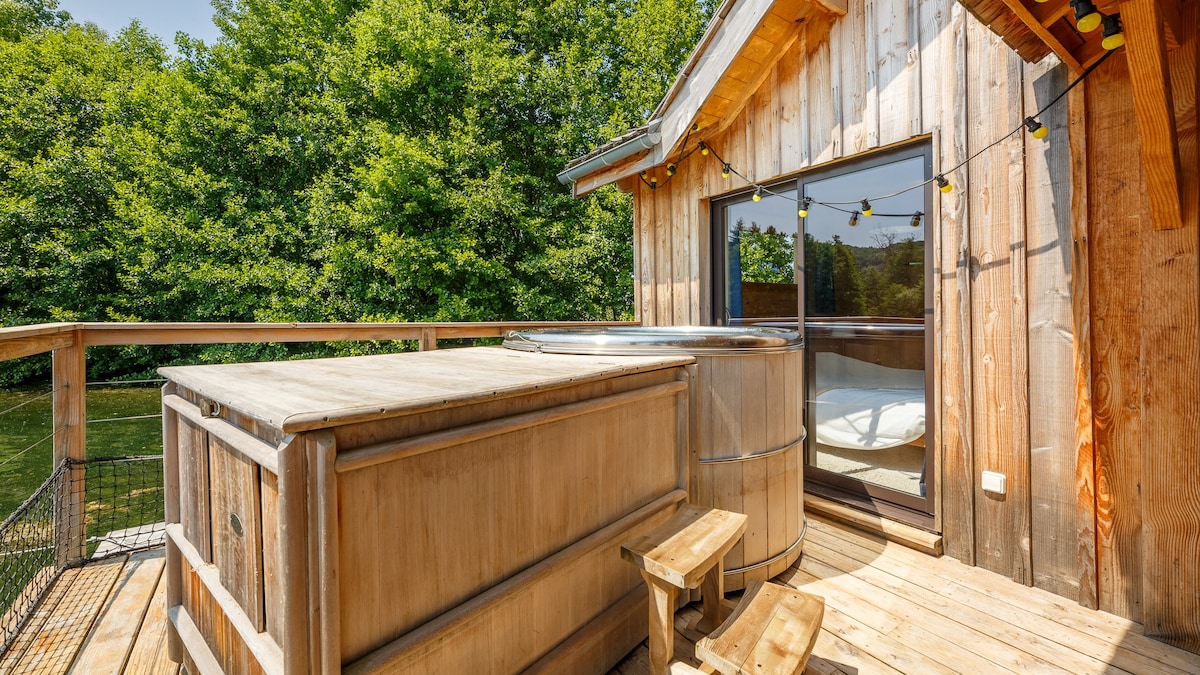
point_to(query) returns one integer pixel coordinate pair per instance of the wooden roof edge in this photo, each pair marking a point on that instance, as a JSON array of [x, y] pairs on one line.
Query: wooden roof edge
[[718, 47]]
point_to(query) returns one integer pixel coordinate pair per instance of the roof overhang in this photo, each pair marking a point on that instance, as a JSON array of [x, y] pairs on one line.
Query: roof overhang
[[1152, 28], [743, 41]]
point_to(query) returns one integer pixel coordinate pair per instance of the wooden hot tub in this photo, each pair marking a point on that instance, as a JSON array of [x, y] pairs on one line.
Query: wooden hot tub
[[448, 511], [747, 426]]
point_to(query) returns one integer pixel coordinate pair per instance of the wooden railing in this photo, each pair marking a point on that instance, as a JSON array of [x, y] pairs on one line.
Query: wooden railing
[[68, 342]]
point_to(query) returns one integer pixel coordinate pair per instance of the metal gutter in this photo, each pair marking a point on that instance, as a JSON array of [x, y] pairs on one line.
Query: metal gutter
[[644, 141]]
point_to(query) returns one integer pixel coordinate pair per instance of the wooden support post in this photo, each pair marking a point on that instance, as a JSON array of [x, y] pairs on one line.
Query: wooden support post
[[662, 622], [298, 630], [70, 442], [171, 510], [712, 592], [1153, 103], [428, 339]]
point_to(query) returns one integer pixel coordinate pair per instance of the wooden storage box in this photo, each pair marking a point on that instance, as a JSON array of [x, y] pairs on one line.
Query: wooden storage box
[[448, 511]]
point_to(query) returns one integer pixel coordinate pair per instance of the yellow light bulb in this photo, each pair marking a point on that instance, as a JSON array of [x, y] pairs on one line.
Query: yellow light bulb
[[1089, 22], [943, 184], [725, 171], [866, 208], [1036, 128], [757, 197]]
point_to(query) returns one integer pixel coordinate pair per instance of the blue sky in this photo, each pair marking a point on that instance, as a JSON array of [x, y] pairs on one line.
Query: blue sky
[[160, 17]]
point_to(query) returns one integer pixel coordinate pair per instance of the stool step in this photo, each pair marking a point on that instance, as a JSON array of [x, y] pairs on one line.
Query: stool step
[[682, 549], [772, 630]]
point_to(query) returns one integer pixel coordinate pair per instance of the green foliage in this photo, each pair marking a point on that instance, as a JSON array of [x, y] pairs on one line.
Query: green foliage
[[325, 160], [766, 256], [885, 280]]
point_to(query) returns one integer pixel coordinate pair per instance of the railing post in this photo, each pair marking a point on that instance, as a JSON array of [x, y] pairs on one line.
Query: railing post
[[70, 442], [428, 339]]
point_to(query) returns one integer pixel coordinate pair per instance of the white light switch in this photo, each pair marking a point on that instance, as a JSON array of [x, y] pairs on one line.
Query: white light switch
[[993, 482]]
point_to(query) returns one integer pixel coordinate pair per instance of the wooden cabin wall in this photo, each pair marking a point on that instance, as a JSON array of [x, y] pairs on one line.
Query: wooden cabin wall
[[1145, 356], [888, 72]]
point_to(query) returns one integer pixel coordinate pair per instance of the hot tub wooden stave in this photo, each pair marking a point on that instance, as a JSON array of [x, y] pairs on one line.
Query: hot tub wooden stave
[[747, 449]]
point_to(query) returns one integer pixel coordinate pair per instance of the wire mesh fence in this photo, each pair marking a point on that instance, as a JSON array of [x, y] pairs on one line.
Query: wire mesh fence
[[87, 510]]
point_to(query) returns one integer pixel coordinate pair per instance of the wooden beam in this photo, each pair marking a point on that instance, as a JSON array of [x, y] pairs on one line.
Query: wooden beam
[[832, 7], [1039, 29], [1174, 20], [1147, 55]]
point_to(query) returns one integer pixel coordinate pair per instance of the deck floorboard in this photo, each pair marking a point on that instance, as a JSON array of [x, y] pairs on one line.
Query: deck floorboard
[[100, 619], [889, 609]]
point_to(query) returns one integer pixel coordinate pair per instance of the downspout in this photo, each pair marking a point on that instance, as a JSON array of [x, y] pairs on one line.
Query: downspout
[[615, 154]]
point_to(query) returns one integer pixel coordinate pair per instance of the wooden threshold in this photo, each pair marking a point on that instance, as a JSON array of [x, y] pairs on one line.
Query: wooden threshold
[[912, 537]]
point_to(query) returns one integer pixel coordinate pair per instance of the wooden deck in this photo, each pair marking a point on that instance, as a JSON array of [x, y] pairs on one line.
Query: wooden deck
[[107, 617], [889, 609]]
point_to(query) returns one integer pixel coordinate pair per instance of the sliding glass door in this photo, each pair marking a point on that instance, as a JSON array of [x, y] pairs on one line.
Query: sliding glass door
[[860, 274]]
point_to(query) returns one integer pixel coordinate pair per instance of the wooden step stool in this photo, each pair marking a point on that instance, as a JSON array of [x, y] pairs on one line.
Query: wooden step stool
[[685, 552], [772, 630]]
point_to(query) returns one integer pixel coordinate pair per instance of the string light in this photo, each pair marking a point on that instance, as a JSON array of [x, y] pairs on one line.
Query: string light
[[1035, 128], [1114, 36], [1087, 17]]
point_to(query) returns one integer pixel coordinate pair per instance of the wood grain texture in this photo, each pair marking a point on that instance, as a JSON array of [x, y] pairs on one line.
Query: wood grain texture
[[1116, 322], [952, 302], [1081, 303], [998, 313], [1154, 107], [296, 396], [110, 642], [772, 630], [150, 655], [1170, 362], [1052, 463], [69, 372], [236, 519], [506, 627], [531, 495]]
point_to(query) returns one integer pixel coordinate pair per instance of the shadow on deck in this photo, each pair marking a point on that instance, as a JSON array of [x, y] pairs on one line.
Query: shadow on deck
[[889, 610]]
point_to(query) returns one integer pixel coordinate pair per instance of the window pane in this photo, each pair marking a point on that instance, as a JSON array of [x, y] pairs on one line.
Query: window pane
[[760, 258], [877, 267]]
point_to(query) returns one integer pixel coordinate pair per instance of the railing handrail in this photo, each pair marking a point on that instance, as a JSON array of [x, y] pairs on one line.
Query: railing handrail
[[19, 341]]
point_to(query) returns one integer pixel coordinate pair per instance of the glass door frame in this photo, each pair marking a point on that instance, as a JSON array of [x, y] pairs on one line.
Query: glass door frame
[[909, 508]]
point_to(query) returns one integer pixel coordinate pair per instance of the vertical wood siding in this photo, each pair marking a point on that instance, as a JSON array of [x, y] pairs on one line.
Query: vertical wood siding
[[1038, 375]]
